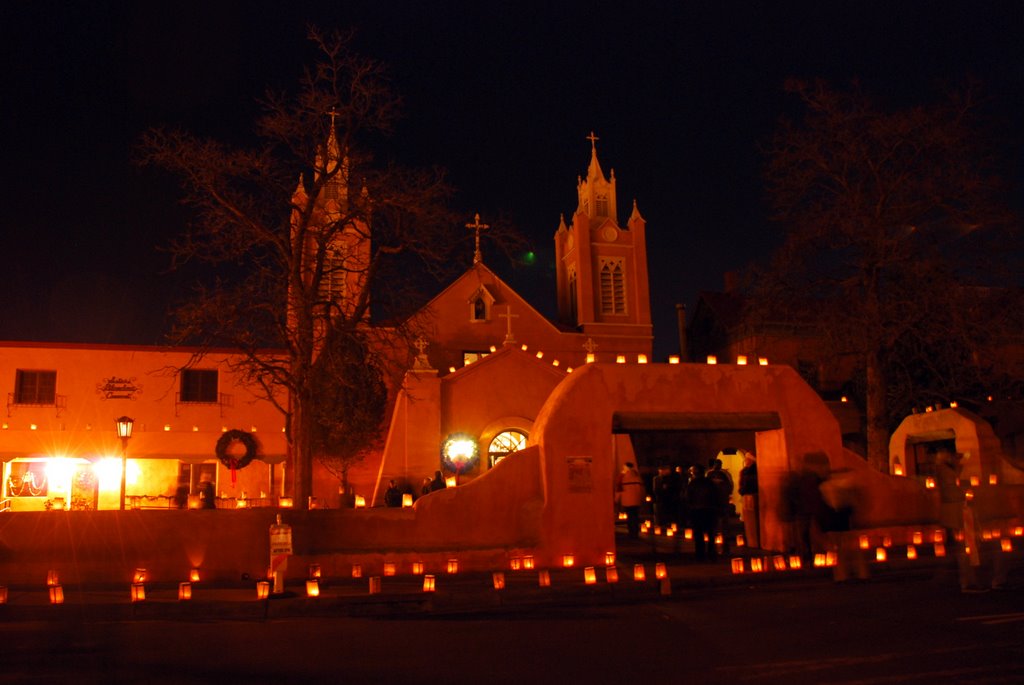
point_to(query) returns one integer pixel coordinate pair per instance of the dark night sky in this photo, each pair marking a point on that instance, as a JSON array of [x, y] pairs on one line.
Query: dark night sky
[[501, 94]]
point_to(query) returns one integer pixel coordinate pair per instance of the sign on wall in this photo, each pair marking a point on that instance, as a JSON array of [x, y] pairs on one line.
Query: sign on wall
[[117, 388], [581, 478]]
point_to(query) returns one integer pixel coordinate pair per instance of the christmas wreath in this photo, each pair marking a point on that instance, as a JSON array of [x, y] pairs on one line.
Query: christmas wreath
[[228, 439]]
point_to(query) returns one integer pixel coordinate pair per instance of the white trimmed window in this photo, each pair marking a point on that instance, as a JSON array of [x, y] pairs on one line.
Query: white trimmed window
[[613, 285]]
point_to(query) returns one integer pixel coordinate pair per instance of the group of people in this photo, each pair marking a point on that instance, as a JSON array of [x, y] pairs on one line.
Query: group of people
[[393, 495], [700, 500]]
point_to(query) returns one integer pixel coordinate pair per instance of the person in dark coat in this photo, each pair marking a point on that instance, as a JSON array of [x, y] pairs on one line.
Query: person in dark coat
[[392, 496], [702, 503], [748, 490], [438, 482]]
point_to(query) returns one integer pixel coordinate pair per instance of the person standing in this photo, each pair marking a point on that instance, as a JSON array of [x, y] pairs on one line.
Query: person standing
[[631, 494], [702, 504], [666, 497], [748, 491], [723, 483]]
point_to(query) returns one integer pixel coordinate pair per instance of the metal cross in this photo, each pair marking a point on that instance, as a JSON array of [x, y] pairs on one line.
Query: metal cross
[[476, 227], [590, 345], [593, 140]]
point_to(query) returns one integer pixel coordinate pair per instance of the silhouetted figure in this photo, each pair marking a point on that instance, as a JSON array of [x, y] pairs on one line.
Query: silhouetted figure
[[207, 495], [438, 483], [723, 482], [702, 504], [181, 495], [748, 490], [666, 496], [392, 496], [425, 488]]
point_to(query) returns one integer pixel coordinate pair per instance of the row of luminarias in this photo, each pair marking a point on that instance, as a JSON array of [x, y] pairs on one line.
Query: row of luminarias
[[741, 360], [757, 564]]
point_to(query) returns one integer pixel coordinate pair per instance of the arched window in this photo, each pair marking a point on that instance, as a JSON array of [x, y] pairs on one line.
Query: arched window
[[504, 444], [613, 286]]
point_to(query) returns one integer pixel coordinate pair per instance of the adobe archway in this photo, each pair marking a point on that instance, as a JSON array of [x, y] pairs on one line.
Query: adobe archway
[[574, 434]]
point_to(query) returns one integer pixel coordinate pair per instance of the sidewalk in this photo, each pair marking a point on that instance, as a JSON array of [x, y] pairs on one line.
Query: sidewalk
[[455, 594]]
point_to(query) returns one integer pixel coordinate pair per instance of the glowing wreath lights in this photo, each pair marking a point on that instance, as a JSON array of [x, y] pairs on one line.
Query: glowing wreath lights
[[460, 452]]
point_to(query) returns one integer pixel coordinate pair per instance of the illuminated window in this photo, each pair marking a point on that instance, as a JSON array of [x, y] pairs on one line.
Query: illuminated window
[[468, 357], [35, 387], [26, 479], [199, 385], [613, 286], [504, 444]]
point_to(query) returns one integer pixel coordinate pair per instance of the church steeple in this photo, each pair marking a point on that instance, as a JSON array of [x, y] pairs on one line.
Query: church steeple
[[602, 266], [596, 194]]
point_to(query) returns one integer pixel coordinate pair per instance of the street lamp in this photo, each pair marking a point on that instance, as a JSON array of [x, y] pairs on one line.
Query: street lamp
[[124, 431]]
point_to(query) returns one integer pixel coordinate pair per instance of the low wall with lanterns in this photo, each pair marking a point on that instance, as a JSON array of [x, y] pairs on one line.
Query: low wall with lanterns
[[493, 517]]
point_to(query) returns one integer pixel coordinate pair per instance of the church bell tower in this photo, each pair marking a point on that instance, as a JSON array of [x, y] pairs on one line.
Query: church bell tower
[[601, 266]]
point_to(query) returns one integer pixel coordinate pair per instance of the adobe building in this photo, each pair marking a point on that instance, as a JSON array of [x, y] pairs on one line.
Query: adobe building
[[534, 418]]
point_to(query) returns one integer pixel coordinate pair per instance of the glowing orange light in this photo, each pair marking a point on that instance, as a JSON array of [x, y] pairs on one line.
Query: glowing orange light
[[688, 533], [56, 594], [389, 568], [737, 565], [864, 542], [1018, 531], [609, 558], [622, 516], [660, 571], [917, 538], [795, 562], [911, 552], [417, 568], [712, 359], [639, 573], [428, 583], [544, 578], [887, 541], [3, 594], [741, 360], [540, 355], [993, 479], [528, 562], [52, 578], [673, 359], [357, 571], [779, 562], [831, 558], [1006, 544], [590, 357], [756, 564], [498, 578], [620, 359], [138, 592], [314, 570], [641, 359], [589, 575], [938, 535], [262, 589], [452, 566], [740, 541], [929, 483], [193, 575], [762, 361], [184, 591], [374, 586], [897, 469], [568, 560], [819, 560]]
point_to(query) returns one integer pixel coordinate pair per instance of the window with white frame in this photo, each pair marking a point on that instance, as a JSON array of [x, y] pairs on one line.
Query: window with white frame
[[613, 285]]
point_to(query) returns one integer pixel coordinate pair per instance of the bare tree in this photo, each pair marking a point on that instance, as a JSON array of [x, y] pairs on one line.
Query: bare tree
[[888, 216], [302, 232]]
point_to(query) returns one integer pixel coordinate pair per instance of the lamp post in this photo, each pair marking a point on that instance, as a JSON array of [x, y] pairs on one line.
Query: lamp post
[[124, 431]]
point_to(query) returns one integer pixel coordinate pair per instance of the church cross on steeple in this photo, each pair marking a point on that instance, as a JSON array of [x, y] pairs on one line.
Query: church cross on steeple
[[593, 141], [476, 227]]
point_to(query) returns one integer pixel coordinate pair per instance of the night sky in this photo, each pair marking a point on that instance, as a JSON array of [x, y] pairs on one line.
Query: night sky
[[502, 94]]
